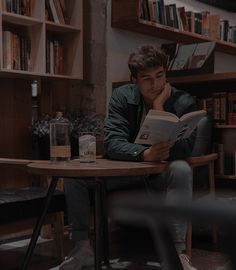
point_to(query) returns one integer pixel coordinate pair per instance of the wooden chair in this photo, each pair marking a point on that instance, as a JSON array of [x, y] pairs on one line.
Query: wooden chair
[[20, 207], [195, 162], [202, 156]]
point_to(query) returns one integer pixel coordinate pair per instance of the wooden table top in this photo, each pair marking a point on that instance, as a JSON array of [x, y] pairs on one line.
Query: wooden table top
[[101, 168]]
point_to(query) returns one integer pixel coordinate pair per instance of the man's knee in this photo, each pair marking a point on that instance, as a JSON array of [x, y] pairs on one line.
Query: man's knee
[[181, 171], [180, 167]]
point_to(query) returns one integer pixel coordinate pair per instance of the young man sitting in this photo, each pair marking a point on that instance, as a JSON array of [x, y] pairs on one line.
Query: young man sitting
[[127, 109]]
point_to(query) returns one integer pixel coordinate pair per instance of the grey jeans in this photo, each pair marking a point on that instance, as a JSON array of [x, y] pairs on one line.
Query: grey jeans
[[175, 183]]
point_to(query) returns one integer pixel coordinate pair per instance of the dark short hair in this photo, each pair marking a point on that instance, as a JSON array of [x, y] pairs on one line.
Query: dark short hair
[[144, 57]]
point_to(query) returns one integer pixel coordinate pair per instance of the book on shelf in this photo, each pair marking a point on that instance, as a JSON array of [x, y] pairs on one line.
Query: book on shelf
[[151, 10], [63, 5], [224, 29], [162, 14], [202, 23], [156, 11], [16, 51], [68, 9], [54, 57], [187, 59], [183, 56], [205, 23], [59, 11], [159, 126], [144, 12], [53, 11], [190, 21], [18, 7], [171, 15], [224, 108], [201, 53], [170, 49], [198, 22], [231, 108], [214, 26], [183, 19]]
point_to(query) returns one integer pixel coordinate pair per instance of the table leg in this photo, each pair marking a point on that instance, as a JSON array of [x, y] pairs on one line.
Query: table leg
[[105, 231], [39, 223], [98, 225]]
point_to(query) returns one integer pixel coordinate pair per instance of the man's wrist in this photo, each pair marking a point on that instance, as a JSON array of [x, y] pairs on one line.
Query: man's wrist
[[141, 156], [158, 107]]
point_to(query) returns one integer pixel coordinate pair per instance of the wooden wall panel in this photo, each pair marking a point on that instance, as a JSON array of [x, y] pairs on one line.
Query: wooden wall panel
[[15, 123]]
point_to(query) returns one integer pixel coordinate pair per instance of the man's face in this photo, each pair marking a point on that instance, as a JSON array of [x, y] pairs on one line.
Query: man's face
[[151, 82]]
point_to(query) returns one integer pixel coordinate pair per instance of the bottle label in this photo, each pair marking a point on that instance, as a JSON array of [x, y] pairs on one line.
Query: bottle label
[[60, 151]]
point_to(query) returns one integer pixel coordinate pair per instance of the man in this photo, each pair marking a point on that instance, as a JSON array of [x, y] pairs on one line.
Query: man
[[127, 109]]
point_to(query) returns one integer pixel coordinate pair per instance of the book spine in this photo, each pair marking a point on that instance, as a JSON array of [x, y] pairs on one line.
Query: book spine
[[54, 12]]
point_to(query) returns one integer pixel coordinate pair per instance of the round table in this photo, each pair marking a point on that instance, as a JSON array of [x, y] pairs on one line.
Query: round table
[[101, 168], [74, 168]]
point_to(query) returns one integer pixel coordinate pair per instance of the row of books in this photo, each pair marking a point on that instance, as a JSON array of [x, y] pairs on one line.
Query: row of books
[[22, 7], [56, 10], [16, 51], [222, 106], [54, 57], [187, 56], [225, 164], [202, 23]]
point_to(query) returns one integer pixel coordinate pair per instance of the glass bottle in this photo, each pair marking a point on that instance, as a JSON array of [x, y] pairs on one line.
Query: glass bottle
[[60, 149], [35, 105]]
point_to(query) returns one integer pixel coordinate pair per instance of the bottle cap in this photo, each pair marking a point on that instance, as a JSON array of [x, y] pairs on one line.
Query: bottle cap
[[59, 114]]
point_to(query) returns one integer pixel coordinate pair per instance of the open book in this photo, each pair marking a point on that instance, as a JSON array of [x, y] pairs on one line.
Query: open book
[[161, 126]]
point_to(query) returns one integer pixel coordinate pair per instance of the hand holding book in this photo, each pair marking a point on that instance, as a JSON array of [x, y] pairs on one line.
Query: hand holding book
[[157, 152]]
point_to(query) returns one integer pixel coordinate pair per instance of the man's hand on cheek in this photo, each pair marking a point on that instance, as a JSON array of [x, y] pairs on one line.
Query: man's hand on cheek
[[160, 100]]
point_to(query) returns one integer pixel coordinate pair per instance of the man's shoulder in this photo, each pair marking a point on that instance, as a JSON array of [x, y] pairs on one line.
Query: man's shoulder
[[127, 91], [182, 96], [125, 88], [183, 102]]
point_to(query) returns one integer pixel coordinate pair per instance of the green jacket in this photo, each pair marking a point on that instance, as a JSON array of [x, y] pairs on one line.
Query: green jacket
[[124, 118]]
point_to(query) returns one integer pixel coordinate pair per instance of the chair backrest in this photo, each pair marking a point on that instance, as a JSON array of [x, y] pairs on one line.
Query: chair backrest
[[203, 143]]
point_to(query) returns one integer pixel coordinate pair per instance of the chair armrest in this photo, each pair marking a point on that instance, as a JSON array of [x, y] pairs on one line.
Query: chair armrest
[[201, 160]]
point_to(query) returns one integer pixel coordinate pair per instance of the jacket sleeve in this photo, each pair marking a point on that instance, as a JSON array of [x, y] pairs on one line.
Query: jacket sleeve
[[117, 139]]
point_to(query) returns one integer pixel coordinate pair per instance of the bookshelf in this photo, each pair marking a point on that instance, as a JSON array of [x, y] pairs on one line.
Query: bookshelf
[[204, 78], [126, 16], [54, 89], [65, 42]]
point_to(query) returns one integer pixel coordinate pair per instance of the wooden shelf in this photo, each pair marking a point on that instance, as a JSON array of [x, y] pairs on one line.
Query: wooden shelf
[[129, 20], [204, 78], [226, 177], [195, 79], [225, 126], [56, 27], [19, 19]]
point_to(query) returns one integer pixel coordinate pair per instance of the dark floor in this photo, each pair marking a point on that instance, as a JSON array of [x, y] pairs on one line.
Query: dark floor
[[129, 245]]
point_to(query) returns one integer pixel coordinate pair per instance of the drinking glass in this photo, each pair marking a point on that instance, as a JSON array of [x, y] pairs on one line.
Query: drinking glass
[[87, 147]]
